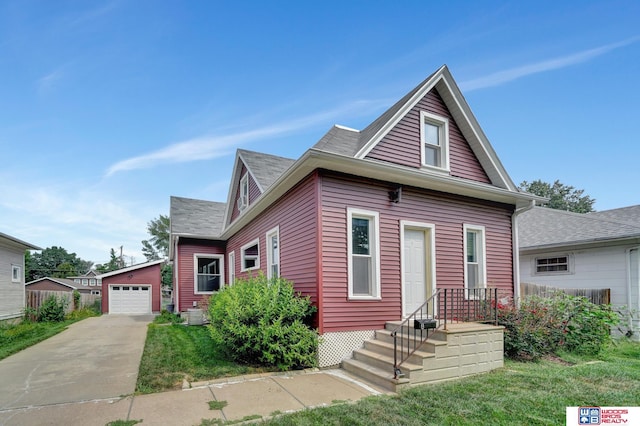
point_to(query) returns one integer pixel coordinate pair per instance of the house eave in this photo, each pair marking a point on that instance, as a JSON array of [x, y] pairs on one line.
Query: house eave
[[581, 244], [315, 159], [130, 268]]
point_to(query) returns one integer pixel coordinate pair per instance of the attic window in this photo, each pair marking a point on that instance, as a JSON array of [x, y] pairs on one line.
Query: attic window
[[434, 131], [243, 200]]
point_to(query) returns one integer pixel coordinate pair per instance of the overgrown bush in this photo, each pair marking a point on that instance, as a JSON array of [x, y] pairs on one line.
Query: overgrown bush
[[543, 326], [52, 309], [76, 300], [261, 321]]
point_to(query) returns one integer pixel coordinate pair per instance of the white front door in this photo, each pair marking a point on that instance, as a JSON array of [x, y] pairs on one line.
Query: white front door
[[417, 269]]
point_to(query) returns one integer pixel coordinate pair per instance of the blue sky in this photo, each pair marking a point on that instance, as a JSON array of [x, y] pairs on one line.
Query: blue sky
[[107, 108]]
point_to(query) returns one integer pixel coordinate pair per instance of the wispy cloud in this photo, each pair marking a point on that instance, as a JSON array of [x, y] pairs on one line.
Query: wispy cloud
[[210, 147], [49, 81], [506, 76]]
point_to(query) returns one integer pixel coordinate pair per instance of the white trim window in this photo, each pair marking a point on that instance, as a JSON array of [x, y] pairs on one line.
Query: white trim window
[[363, 242], [209, 273], [16, 273], [273, 253], [553, 265], [250, 256], [243, 200], [475, 258], [232, 267], [92, 281], [85, 282], [434, 146]]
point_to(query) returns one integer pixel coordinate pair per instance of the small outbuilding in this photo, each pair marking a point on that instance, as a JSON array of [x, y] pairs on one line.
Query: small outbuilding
[[132, 290]]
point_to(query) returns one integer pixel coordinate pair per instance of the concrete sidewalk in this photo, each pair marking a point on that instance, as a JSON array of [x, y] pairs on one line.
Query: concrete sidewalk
[[251, 396]]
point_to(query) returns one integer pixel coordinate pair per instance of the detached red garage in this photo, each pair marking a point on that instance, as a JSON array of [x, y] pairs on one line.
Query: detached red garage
[[132, 290]]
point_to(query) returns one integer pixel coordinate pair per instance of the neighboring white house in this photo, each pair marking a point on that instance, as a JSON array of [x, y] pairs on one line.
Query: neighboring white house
[[593, 250], [12, 275]]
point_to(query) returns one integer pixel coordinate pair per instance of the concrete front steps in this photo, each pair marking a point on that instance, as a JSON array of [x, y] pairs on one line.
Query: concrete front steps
[[463, 349]]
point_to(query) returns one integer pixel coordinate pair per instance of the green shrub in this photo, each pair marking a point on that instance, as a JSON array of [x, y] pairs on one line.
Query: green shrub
[[76, 300], [543, 326], [167, 317], [261, 321], [52, 309], [82, 313]]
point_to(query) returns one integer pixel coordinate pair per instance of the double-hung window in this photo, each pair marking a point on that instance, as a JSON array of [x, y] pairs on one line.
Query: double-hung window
[[250, 256], [364, 254], [475, 274], [273, 253], [209, 273], [243, 200], [16, 274], [435, 141], [232, 267]]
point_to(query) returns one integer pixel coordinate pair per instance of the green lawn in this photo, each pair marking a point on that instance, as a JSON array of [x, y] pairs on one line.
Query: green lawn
[[16, 337], [518, 394], [175, 352]]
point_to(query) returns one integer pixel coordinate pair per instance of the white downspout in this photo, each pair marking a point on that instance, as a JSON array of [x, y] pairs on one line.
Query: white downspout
[[516, 250], [176, 293]]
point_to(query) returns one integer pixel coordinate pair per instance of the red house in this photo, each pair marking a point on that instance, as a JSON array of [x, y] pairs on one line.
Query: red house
[[369, 223]]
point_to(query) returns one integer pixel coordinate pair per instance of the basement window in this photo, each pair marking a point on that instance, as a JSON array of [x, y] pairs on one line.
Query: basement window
[[552, 265]]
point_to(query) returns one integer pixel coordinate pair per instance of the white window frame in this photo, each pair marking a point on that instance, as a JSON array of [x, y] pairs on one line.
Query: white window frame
[[482, 261], [443, 127], [270, 260], [232, 267], [92, 281], [243, 256], [569, 264], [243, 199], [375, 252], [197, 256], [85, 282], [16, 273]]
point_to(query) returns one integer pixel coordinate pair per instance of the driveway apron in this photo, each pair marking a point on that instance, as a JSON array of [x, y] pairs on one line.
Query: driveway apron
[[96, 358]]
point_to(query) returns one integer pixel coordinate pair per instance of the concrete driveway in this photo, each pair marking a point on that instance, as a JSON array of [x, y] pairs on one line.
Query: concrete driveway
[[96, 358]]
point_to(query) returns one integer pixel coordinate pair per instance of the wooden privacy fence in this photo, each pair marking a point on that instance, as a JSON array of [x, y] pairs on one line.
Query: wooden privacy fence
[[35, 298], [598, 296]]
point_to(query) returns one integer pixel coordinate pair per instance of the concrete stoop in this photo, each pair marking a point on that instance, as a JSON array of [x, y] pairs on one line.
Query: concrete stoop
[[463, 349]]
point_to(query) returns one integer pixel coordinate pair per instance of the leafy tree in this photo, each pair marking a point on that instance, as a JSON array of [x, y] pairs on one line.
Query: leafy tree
[[157, 246], [167, 275], [114, 263], [561, 196], [54, 262]]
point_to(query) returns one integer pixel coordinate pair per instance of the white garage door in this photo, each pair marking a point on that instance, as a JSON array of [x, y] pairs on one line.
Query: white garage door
[[130, 299]]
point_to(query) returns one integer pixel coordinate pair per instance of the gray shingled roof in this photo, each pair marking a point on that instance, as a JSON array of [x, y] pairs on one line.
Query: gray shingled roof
[[348, 142], [630, 215], [340, 140], [541, 227], [265, 168], [196, 217], [64, 281]]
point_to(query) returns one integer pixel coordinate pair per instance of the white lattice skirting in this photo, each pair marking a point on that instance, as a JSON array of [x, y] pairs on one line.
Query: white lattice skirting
[[334, 347]]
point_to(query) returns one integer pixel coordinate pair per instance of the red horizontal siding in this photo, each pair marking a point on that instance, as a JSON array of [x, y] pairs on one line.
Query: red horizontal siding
[[447, 212], [402, 144], [186, 278], [295, 214]]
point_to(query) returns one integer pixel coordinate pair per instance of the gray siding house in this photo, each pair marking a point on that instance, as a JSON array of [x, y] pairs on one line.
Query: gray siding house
[[594, 250], [12, 276]]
